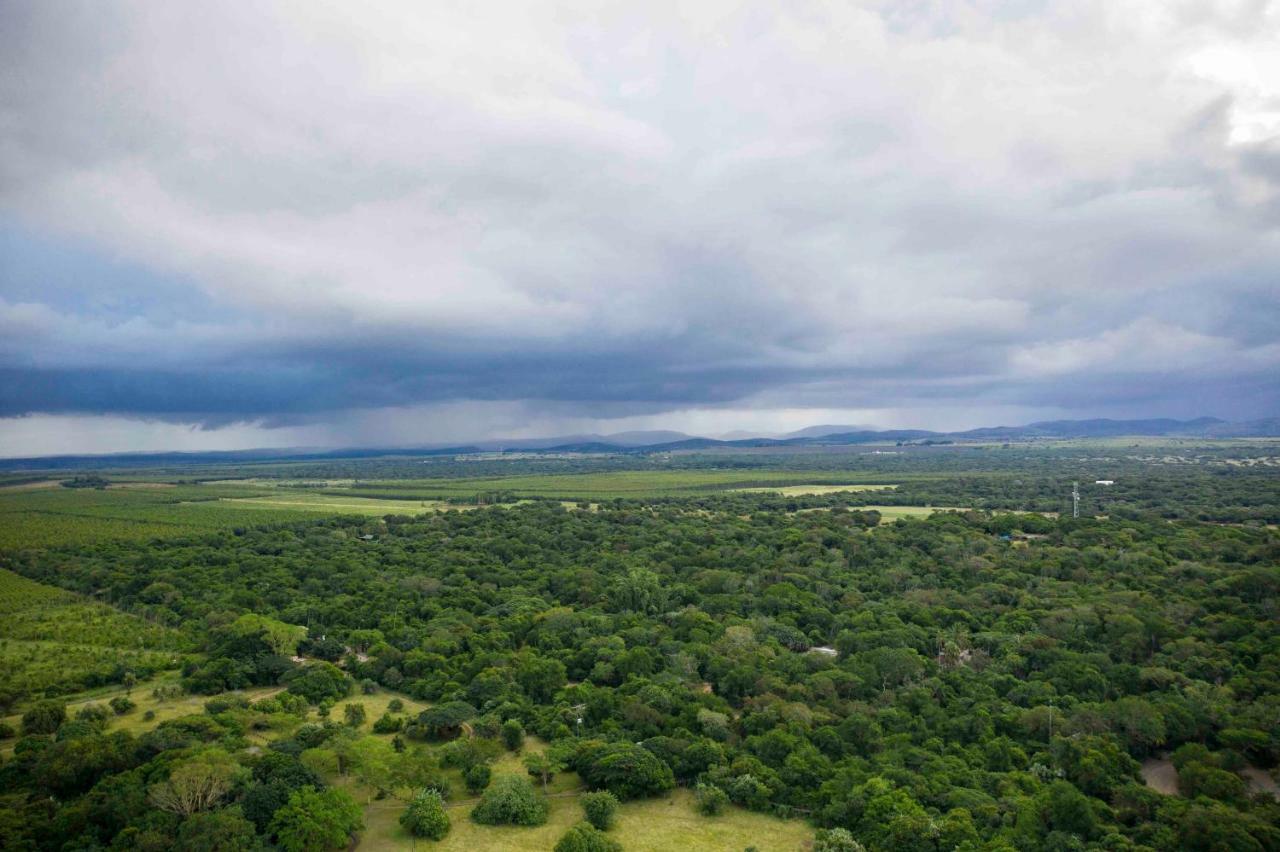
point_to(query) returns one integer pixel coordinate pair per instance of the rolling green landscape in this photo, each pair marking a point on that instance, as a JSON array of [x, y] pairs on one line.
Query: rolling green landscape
[[915, 651]]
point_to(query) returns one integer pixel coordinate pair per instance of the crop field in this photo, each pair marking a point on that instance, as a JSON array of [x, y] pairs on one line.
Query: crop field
[[48, 517], [54, 642], [327, 503], [798, 490], [610, 485]]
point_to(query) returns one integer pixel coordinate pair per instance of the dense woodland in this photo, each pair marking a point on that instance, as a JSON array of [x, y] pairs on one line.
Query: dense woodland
[[970, 681]]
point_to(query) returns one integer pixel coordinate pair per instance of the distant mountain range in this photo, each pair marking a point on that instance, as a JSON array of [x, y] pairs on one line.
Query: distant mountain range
[[667, 441]]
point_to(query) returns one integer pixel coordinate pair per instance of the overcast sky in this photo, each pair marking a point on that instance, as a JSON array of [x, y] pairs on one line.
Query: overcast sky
[[267, 224]]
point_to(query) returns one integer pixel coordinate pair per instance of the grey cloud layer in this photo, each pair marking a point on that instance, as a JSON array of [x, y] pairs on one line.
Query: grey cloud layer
[[1071, 204]]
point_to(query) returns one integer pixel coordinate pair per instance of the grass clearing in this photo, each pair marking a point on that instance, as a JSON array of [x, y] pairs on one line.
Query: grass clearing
[[650, 825]]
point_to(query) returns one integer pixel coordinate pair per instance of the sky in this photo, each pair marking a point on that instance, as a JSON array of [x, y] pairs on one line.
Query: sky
[[230, 225]]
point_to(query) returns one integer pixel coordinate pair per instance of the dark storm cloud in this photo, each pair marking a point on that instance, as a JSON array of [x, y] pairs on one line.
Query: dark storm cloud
[[278, 213]]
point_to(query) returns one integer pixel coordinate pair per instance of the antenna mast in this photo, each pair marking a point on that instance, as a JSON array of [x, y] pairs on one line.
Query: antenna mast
[[1075, 499]]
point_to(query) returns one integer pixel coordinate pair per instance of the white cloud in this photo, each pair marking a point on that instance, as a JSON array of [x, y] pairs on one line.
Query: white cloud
[[831, 202]]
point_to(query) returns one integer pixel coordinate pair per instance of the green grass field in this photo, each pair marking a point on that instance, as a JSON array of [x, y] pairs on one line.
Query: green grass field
[[651, 825]]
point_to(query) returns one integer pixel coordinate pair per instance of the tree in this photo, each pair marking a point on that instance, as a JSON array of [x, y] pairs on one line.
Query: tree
[[223, 830], [1198, 779], [476, 777], [639, 590], [628, 771], [600, 809], [1069, 810], [510, 800], [425, 816], [354, 714], [318, 681], [199, 784], [445, 720], [584, 837], [543, 765], [313, 821], [513, 734], [44, 717], [281, 638]]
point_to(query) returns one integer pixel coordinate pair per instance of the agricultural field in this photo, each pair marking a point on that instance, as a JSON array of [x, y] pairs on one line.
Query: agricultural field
[[53, 642], [798, 490], [37, 517], [637, 484]]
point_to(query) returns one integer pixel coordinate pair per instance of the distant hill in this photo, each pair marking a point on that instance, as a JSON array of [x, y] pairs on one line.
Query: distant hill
[[669, 441], [823, 430]]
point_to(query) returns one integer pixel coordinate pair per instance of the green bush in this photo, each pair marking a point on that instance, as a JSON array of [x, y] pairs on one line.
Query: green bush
[[510, 800], [710, 799], [354, 714], [44, 717], [319, 681], [426, 817], [121, 705], [836, 840], [601, 809], [477, 777], [513, 734], [585, 837], [387, 724]]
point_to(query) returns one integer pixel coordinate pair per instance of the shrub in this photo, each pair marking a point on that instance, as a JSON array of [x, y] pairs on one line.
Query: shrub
[[387, 724], [121, 705], [44, 717], [395, 705], [94, 714], [584, 837], [477, 777], [426, 817], [354, 714], [710, 799], [445, 720], [510, 800], [223, 703], [513, 734], [6, 731], [836, 840], [1197, 779], [601, 809], [488, 726]]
